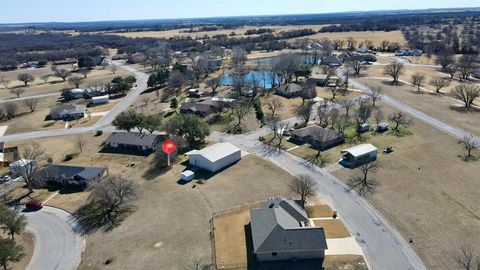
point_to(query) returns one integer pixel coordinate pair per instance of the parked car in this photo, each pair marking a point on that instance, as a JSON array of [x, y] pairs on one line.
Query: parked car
[[34, 205]]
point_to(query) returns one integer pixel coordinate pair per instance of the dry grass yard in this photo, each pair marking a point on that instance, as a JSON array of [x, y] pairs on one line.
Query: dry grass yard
[[178, 215], [427, 191], [54, 84], [230, 239], [442, 107], [333, 228], [319, 211], [27, 241], [376, 36]]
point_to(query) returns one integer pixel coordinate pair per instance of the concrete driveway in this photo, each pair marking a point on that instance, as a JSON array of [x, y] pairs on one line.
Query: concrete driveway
[[58, 244]]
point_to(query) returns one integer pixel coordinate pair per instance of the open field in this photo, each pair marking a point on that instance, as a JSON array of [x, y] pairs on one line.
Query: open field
[[26, 121], [54, 84], [427, 191], [182, 32], [437, 106], [376, 36]]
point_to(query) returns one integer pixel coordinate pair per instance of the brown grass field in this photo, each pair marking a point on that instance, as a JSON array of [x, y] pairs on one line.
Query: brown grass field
[[54, 84], [376, 36], [427, 191], [333, 228]]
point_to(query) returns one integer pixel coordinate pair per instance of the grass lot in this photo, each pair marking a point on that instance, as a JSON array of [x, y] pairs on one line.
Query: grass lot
[[437, 106], [238, 32], [424, 183], [333, 228], [230, 239], [375, 36], [54, 84], [344, 262], [26, 121], [165, 224], [27, 241], [326, 93], [319, 211]]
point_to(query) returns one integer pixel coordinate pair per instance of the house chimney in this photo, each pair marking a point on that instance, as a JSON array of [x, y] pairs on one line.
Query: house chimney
[[271, 202]]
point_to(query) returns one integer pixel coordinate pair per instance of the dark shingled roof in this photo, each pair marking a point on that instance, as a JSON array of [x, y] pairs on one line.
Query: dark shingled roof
[[68, 109], [135, 138], [291, 88], [206, 106], [317, 133], [63, 172], [277, 227]]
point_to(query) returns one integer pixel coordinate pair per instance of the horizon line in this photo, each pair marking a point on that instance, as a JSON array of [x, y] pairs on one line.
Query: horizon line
[[234, 16]]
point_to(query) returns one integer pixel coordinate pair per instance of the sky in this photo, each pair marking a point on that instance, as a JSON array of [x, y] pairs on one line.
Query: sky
[[20, 11]]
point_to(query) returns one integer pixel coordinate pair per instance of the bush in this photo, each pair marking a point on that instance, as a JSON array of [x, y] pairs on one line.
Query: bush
[[68, 157], [99, 133]]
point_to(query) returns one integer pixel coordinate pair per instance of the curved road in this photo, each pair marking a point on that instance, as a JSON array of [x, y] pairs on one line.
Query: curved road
[[58, 244], [382, 244], [103, 123]]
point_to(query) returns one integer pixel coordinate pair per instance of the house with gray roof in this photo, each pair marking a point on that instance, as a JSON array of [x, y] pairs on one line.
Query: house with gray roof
[[289, 90], [318, 137], [281, 231], [64, 176], [135, 141], [67, 112], [201, 108]]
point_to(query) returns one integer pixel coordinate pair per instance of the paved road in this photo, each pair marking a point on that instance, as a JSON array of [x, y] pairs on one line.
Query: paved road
[[103, 123], [381, 243], [57, 94], [429, 120], [57, 244]]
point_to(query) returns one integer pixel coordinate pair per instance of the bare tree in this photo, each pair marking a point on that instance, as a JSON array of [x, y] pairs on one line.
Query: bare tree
[[439, 83], [356, 65], [400, 120], [351, 42], [327, 47], [274, 104], [84, 72], [176, 80], [80, 143], [113, 69], [303, 186], [239, 56], [240, 110], [347, 105], [445, 57], [375, 94], [31, 154], [384, 45], [470, 144], [467, 93], [4, 81], [196, 264], [418, 79], [61, 73], [25, 78], [466, 65], [277, 126], [214, 84], [308, 92], [451, 70], [378, 116], [146, 100], [464, 257], [17, 91], [394, 70], [286, 64], [363, 184], [323, 113], [338, 44], [45, 77], [114, 196], [11, 109], [304, 111], [75, 81], [31, 103]]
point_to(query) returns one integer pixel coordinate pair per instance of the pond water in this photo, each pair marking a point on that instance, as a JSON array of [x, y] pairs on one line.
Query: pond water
[[263, 78]]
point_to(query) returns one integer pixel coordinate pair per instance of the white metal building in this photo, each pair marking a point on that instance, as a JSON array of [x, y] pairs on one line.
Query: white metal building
[[100, 99], [215, 157], [358, 155]]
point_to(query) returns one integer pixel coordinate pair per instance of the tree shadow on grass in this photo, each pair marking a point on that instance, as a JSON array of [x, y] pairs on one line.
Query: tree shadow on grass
[[93, 218], [462, 109]]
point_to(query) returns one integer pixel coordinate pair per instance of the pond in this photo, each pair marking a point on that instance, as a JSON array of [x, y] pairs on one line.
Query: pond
[[263, 78]]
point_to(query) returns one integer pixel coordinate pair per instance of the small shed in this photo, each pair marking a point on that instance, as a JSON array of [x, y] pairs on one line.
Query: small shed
[[382, 127], [215, 157], [77, 93], [358, 155], [187, 175], [100, 100], [364, 127]]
